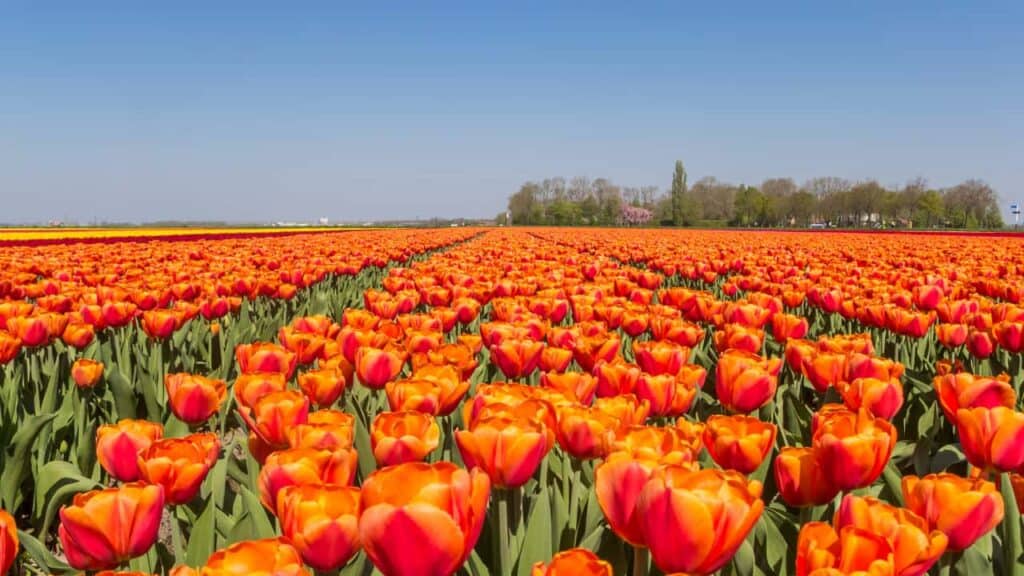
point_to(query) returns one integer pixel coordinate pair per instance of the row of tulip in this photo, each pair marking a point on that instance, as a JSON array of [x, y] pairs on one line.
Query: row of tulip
[[531, 392]]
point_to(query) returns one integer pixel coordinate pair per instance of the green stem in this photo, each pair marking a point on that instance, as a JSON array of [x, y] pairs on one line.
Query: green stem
[[504, 550], [640, 557], [1010, 531], [176, 537]]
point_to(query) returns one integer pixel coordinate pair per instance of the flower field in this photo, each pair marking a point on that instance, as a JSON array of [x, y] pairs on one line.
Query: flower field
[[520, 402]]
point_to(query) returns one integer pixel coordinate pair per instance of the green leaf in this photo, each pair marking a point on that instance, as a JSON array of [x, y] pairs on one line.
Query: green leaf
[[262, 527], [16, 462], [202, 539], [743, 561], [40, 555], [1010, 530], [476, 566], [537, 545], [57, 483]]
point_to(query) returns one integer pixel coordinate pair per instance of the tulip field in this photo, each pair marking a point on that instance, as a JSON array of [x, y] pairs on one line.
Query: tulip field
[[511, 401]]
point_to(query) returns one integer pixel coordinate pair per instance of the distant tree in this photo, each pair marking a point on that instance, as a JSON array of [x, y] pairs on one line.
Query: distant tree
[[648, 195], [747, 206], [524, 205], [973, 203], [609, 199], [678, 195], [579, 188], [635, 215], [798, 208], [715, 198], [562, 212], [589, 209]]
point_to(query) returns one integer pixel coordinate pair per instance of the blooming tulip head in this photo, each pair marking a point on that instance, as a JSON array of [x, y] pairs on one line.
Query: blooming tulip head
[[744, 381], [854, 447], [103, 528], [194, 398], [694, 521], [992, 438], [322, 522], [118, 446], [801, 477], [86, 373], [179, 465], [962, 509], [273, 556], [399, 437], [574, 562], [375, 367], [737, 442], [422, 520], [509, 449], [956, 390], [323, 387]]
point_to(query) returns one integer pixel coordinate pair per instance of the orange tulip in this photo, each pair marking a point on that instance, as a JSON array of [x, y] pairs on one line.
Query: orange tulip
[[589, 351], [324, 430], [786, 326], [435, 390], [160, 324], [75, 335], [745, 381], [964, 510], [694, 521], [271, 557], [104, 528], [322, 522], [555, 359], [963, 390], [576, 386], [629, 409], [854, 448], [422, 520], [615, 378], [86, 373], [666, 445], [573, 562], [677, 330], [9, 347], [655, 357], [739, 337], [867, 366], [517, 358], [399, 437], [266, 357], [33, 331], [179, 465], [508, 449], [250, 388], [1009, 335], [618, 482], [376, 367], [306, 347], [738, 443], [274, 414], [323, 387], [822, 551], [194, 398], [914, 548], [825, 370], [301, 466], [659, 391], [801, 477], [8, 541], [882, 398], [586, 433], [992, 438], [118, 446]]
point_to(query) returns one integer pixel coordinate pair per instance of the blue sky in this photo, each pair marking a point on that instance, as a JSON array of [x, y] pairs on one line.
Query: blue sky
[[285, 111]]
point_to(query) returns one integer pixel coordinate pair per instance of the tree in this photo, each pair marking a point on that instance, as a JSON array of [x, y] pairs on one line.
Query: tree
[[973, 202], [929, 208], [746, 206], [799, 207], [524, 205], [678, 194], [715, 198]]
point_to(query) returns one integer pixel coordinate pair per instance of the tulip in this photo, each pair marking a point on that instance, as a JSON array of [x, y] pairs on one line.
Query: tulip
[[274, 414], [573, 562], [825, 370], [854, 450], [882, 398], [322, 522], [963, 390], [576, 386], [508, 449], [103, 528], [179, 465], [193, 398], [589, 351], [422, 520], [677, 330], [8, 541], [799, 353], [272, 557], [992, 438], [694, 521], [250, 388], [264, 357], [117, 314], [399, 437], [86, 373], [324, 430], [786, 326], [9, 347], [738, 443], [746, 314], [160, 324], [951, 335], [306, 347], [1010, 336], [745, 381], [555, 359], [517, 358], [802, 479], [435, 390], [980, 344], [618, 482], [118, 446], [32, 331], [739, 337], [667, 445], [659, 391], [76, 335], [866, 366], [964, 510], [376, 367], [629, 409], [586, 433], [821, 550], [658, 358], [323, 387], [615, 378], [915, 548], [301, 466]]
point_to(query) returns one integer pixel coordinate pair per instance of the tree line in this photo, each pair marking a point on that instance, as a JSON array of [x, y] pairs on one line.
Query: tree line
[[776, 202]]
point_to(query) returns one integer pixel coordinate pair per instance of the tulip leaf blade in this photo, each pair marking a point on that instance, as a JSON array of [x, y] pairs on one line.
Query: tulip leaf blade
[[40, 555], [536, 545], [201, 541]]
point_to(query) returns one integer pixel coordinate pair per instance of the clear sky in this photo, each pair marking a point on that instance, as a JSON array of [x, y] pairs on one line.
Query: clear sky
[[296, 110]]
